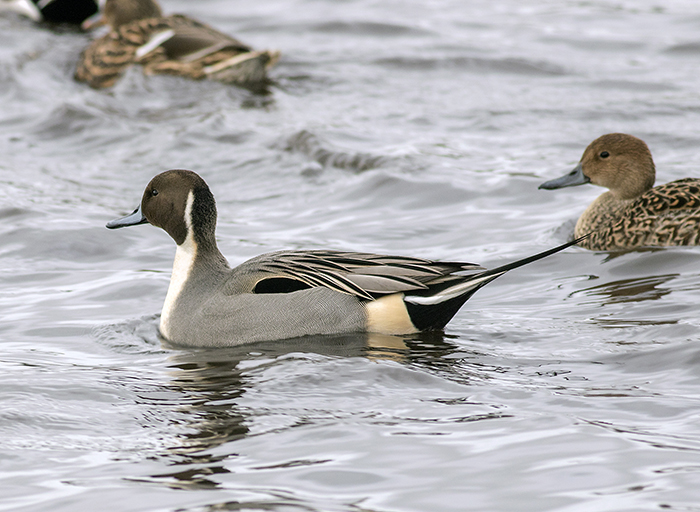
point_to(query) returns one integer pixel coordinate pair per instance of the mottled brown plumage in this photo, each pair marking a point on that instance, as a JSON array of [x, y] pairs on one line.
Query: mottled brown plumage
[[172, 45], [632, 214]]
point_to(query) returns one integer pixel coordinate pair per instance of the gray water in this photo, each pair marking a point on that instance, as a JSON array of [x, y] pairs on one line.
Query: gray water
[[409, 127]]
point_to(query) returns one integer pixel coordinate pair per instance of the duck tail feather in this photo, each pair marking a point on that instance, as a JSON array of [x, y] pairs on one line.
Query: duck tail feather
[[434, 311], [510, 266]]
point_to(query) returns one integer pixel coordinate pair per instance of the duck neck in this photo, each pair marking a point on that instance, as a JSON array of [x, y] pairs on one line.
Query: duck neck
[[183, 265], [602, 212], [198, 262], [191, 267]]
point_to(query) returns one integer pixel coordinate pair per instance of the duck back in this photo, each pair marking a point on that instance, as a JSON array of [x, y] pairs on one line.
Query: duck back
[[667, 215]]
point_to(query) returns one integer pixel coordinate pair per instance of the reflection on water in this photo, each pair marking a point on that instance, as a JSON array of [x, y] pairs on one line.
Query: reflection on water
[[630, 290], [205, 387], [615, 323], [620, 302], [209, 384], [613, 255]]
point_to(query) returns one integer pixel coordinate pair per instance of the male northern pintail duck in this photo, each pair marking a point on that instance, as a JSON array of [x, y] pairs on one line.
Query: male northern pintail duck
[[289, 294], [54, 11], [633, 213], [171, 45]]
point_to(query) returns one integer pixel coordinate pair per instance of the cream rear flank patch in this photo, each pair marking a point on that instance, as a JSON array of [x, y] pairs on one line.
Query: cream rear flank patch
[[388, 315], [182, 267]]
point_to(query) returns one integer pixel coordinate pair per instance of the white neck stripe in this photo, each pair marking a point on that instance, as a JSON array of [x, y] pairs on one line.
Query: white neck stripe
[[182, 267], [188, 212]]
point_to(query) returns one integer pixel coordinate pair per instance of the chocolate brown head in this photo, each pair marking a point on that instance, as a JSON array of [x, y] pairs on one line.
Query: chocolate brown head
[[179, 202]]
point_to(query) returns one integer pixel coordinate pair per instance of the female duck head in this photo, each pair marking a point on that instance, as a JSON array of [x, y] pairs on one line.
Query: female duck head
[[178, 201], [617, 161], [120, 12]]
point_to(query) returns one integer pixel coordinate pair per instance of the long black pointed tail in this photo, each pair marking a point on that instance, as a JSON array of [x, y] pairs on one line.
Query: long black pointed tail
[[434, 311]]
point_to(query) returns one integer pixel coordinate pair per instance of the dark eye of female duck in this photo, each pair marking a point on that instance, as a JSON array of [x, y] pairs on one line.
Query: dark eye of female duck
[[154, 192], [604, 154]]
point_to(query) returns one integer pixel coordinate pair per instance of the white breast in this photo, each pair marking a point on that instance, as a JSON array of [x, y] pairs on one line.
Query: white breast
[[182, 267]]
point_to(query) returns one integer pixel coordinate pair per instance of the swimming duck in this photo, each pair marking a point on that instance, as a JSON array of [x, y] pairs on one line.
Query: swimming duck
[[172, 45], [633, 213], [288, 294], [54, 11]]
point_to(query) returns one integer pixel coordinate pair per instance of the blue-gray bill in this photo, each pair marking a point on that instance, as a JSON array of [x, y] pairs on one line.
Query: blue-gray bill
[[575, 177], [133, 219]]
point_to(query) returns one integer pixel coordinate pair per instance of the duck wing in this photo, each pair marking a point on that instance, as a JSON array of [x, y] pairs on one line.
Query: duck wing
[[681, 194], [176, 39], [106, 58], [364, 275], [663, 216], [192, 40], [401, 295]]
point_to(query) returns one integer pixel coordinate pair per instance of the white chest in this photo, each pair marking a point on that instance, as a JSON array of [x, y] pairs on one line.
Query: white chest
[[182, 268]]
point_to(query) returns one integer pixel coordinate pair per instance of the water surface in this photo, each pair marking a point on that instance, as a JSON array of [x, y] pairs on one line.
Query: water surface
[[417, 128]]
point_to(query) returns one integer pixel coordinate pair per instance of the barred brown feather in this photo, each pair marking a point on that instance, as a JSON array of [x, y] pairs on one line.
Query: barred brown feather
[[190, 50]]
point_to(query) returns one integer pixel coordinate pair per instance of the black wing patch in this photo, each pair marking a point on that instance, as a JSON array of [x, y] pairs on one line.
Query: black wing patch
[[279, 285]]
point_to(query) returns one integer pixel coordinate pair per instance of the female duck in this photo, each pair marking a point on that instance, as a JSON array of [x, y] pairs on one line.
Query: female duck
[[633, 213], [291, 293], [172, 45]]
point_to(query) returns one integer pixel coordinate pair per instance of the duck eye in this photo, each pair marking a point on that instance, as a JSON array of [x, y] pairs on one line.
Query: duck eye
[[604, 154], [154, 192]]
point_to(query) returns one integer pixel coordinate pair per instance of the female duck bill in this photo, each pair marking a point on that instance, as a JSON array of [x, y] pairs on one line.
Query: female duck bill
[[575, 177]]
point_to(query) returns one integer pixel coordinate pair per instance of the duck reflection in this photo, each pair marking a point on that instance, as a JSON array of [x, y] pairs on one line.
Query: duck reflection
[[630, 290], [210, 383], [617, 294]]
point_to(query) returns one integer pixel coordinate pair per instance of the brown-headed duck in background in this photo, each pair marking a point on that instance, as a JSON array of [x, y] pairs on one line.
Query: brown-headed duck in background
[[171, 45], [633, 213]]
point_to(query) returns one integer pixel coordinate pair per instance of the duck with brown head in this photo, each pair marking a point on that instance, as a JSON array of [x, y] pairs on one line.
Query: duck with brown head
[[633, 213], [170, 45], [288, 294]]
